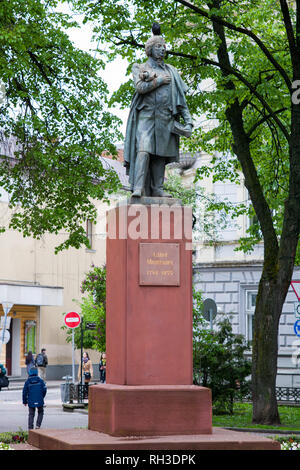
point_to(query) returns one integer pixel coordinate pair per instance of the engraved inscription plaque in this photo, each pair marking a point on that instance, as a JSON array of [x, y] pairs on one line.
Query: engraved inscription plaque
[[159, 264]]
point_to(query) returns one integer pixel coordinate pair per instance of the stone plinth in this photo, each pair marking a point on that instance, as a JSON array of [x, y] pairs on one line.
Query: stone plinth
[[149, 295], [123, 410], [85, 439]]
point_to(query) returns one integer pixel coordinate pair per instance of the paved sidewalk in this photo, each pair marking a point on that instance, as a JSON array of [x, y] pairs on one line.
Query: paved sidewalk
[[19, 384]]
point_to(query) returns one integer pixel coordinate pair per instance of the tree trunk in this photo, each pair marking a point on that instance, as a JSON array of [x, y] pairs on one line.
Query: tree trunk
[[264, 352], [278, 259]]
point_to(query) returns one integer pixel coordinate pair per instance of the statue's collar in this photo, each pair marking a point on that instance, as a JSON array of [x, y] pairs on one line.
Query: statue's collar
[[155, 64]]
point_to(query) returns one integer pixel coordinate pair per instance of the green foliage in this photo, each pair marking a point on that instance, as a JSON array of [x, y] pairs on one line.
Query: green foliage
[[219, 360], [55, 107], [12, 437], [260, 68], [92, 311], [210, 215], [187, 195], [242, 418]]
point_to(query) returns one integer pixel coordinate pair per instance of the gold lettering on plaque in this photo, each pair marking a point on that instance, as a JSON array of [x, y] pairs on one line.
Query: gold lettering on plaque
[[159, 264]]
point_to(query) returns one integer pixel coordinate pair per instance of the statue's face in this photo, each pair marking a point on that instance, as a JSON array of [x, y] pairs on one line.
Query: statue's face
[[158, 50]]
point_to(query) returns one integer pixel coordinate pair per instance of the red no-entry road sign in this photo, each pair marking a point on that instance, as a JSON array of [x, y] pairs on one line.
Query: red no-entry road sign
[[296, 288], [72, 320]]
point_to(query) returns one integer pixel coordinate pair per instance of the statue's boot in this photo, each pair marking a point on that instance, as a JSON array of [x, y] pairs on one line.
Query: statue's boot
[[157, 169], [140, 173]]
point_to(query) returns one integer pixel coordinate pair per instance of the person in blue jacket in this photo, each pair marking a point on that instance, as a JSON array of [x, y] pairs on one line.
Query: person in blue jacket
[[34, 391]]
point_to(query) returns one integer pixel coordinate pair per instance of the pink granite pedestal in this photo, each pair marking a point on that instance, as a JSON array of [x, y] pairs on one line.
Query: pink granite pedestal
[[149, 401], [149, 328], [125, 410]]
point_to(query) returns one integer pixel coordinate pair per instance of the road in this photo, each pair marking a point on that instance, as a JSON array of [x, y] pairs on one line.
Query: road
[[14, 415]]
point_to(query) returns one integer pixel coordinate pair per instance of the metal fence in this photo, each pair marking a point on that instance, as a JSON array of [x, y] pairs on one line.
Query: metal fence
[[71, 392], [289, 395]]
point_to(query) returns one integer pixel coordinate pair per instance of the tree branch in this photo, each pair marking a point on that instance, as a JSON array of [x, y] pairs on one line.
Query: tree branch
[[241, 147], [289, 31], [229, 71], [264, 119], [247, 32]]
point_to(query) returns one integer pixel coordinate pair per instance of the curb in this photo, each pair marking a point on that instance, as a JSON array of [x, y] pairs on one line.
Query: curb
[[264, 431]]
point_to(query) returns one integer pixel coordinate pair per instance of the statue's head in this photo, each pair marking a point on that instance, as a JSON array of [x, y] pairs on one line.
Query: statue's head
[[155, 46]]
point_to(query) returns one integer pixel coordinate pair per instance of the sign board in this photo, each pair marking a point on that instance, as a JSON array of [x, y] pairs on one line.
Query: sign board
[[90, 325], [297, 309], [297, 328], [209, 309], [296, 288], [159, 264], [4, 337], [72, 320]]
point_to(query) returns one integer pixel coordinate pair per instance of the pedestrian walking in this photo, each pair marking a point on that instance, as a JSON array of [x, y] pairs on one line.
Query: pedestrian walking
[[87, 369], [29, 361], [41, 362], [102, 368], [34, 391], [87, 372], [3, 379]]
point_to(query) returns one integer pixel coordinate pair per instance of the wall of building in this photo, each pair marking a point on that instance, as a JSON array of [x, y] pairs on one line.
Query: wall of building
[[30, 262], [229, 285]]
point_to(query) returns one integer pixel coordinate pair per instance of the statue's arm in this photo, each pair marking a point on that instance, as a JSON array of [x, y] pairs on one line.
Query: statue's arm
[[142, 86], [184, 111]]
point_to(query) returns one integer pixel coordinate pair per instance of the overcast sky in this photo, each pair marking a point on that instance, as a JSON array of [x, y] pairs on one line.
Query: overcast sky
[[114, 73]]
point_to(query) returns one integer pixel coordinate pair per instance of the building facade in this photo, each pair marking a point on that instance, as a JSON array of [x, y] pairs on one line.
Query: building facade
[[231, 277], [42, 286]]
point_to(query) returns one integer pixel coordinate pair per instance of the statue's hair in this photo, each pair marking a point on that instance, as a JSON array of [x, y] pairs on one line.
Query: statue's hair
[[150, 43]]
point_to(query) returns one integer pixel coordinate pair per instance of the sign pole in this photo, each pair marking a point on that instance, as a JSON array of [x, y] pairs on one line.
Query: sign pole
[[211, 319], [73, 357], [72, 320], [81, 348]]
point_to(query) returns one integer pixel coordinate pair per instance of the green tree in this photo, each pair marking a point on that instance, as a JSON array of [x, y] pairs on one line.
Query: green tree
[[219, 359], [223, 365], [92, 311], [54, 107], [210, 215], [249, 51]]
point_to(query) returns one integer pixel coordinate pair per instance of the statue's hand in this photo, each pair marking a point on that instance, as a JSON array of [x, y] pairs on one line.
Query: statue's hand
[[164, 79]]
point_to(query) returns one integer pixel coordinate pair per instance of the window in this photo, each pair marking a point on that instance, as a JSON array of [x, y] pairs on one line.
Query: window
[[250, 308], [89, 232]]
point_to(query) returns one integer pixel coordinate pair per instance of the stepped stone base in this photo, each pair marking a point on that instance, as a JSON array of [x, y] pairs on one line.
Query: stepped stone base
[[85, 439], [150, 410]]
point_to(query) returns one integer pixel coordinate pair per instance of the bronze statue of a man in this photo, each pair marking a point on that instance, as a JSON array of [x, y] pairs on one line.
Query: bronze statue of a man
[[153, 127]]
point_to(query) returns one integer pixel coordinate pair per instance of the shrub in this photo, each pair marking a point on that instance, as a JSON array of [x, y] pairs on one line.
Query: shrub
[[219, 361]]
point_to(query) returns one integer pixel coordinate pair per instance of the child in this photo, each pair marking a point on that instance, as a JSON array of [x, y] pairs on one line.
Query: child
[[34, 391]]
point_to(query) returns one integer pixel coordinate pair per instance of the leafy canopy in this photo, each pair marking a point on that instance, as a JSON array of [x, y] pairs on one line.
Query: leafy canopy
[[54, 112], [259, 68], [93, 310]]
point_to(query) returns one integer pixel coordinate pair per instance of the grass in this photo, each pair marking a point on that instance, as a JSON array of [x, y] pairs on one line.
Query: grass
[[242, 418]]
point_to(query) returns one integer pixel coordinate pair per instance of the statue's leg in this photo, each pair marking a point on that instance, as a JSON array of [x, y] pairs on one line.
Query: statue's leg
[[157, 172], [140, 173], [147, 188]]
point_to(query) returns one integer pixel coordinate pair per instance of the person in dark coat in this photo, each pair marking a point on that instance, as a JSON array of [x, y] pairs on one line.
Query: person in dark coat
[[102, 368], [34, 391], [29, 361], [3, 379]]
